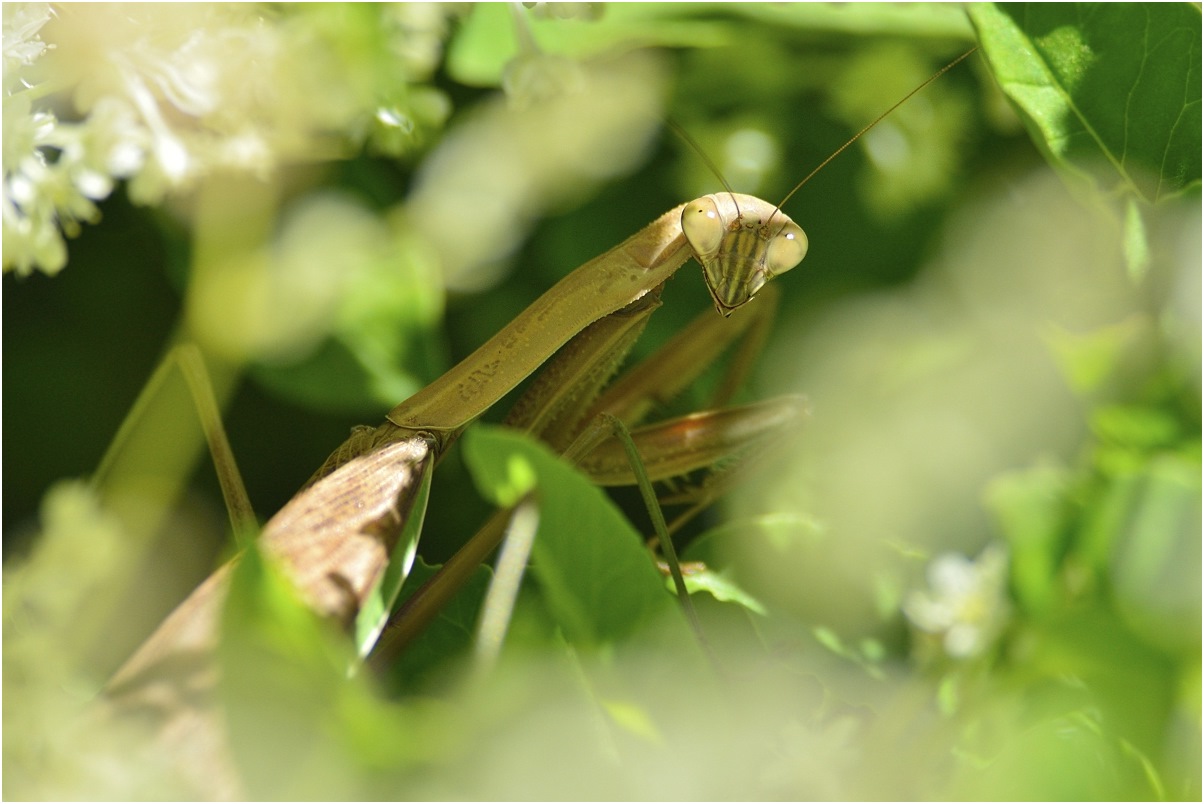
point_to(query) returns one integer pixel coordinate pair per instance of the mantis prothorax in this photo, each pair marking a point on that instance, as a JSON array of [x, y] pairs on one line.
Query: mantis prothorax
[[336, 537]]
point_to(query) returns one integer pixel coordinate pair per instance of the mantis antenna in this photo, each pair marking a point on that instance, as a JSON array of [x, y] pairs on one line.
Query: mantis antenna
[[685, 136], [875, 122], [706, 158], [740, 253]]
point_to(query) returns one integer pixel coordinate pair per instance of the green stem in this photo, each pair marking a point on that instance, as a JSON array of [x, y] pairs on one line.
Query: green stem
[[662, 531]]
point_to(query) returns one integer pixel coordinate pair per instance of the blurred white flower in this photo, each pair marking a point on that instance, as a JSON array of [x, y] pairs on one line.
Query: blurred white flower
[[22, 46], [165, 94], [966, 605]]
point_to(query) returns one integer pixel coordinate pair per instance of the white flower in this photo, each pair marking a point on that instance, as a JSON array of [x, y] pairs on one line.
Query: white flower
[[162, 95], [966, 604], [22, 45]]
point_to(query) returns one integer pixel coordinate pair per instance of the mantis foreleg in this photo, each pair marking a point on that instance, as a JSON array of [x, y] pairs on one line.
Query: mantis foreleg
[[665, 450]]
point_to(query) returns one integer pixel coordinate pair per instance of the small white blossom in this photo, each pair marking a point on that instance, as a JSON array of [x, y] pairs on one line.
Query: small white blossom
[[966, 605]]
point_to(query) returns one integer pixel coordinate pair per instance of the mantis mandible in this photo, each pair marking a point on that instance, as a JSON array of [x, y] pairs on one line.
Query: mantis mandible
[[335, 538]]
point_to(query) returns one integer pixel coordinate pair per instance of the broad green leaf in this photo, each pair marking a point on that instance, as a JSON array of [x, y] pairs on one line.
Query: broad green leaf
[[1110, 90], [1148, 498], [591, 565], [1105, 516], [1114, 677]]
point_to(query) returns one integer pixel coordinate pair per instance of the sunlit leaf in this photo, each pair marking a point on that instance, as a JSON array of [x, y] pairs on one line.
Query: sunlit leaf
[[1112, 87], [594, 572], [723, 589], [1135, 426]]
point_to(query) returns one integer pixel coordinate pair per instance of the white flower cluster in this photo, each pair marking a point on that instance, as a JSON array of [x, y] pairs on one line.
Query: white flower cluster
[[966, 605], [161, 95]]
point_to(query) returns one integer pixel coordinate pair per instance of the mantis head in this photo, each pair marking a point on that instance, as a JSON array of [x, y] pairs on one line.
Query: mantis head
[[741, 242]]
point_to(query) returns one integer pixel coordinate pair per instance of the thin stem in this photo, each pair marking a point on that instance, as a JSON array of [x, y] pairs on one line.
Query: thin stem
[[234, 490], [658, 523], [507, 576], [187, 358]]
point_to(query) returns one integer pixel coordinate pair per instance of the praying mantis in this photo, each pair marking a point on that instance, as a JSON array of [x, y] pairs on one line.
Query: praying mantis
[[346, 541]]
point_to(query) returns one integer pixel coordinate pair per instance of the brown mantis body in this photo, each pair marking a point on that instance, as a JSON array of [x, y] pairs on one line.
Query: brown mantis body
[[335, 537]]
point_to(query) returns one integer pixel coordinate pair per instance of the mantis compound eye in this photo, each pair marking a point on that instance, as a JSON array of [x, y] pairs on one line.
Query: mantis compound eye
[[703, 226], [786, 249]]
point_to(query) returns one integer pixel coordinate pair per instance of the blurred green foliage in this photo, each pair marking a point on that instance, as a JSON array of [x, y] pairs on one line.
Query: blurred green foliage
[[1001, 363]]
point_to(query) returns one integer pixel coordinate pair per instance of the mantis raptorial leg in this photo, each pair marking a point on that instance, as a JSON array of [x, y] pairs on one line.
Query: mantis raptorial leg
[[336, 536], [668, 449]]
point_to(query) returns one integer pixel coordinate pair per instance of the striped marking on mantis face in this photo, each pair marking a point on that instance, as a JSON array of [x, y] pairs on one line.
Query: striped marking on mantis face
[[741, 242]]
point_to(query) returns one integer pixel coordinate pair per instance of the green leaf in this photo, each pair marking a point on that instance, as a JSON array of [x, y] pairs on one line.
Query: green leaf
[[282, 671], [830, 640], [1147, 501], [300, 726], [723, 589], [1067, 757], [1136, 427], [1110, 90], [1137, 242], [634, 719], [488, 39], [1088, 359], [449, 635], [1155, 564], [1032, 510], [596, 577], [374, 612]]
